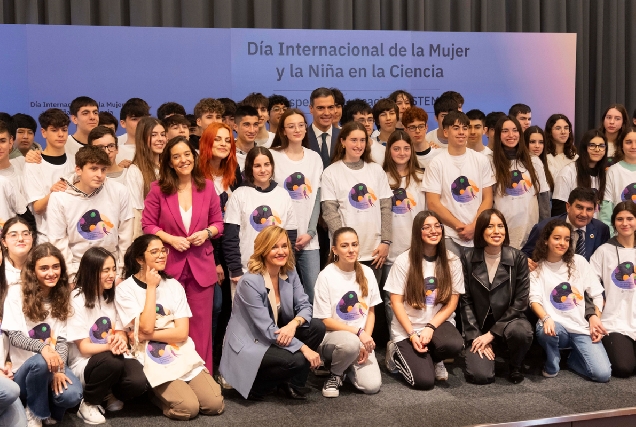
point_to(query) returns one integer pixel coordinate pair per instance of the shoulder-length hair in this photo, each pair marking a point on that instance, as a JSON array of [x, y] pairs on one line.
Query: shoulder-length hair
[[88, 277], [584, 172], [263, 244], [168, 178], [32, 298], [540, 253], [251, 157], [620, 153], [227, 169], [621, 109], [628, 206], [339, 152], [137, 251], [361, 279], [415, 289], [568, 149], [7, 226], [502, 163], [280, 141], [544, 154], [412, 166], [144, 157], [481, 224]]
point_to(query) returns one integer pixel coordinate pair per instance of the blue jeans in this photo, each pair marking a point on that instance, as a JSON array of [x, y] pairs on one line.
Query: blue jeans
[[11, 409], [587, 358], [35, 380], [308, 267]]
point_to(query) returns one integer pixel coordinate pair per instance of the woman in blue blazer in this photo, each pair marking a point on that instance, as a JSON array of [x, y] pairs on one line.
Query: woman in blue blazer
[[271, 339]]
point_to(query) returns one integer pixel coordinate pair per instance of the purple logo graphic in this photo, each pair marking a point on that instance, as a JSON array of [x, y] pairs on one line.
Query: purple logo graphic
[[624, 276], [298, 186], [564, 297], [350, 307], [43, 333], [464, 190], [629, 193], [431, 290], [264, 216], [93, 225], [100, 331], [362, 197], [161, 353], [402, 202], [521, 184]]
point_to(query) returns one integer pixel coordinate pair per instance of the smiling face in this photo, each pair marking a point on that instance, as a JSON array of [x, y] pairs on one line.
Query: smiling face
[[561, 131], [402, 103], [247, 129], [222, 144], [18, 241], [178, 129], [596, 154], [47, 271], [107, 274], [612, 122], [158, 139], [401, 152], [509, 134], [387, 120], [431, 231], [322, 110], [559, 242], [625, 224], [155, 256], [456, 134], [262, 170], [346, 248], [629, 147], [182, 159], [295, 128], [208, 118], [354, 145], [580, 213], [495, 232], [278, 255], [535, 144]]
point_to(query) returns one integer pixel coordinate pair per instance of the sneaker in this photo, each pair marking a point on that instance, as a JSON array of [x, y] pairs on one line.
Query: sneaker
[[49, 421], [545, 374], [441, 374], [32, 420], [91, 414], [113, 404], [388, 360], [332, 386]]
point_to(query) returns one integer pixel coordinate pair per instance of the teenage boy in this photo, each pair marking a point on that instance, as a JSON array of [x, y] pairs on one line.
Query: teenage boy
[[476, 132], [323, 136], [24, 127], [11, 190], [44, 178], [277, 104], [229, 108], [442, 106], [246, 126], [489, 126], [93, 211], [104, 138], [168, 109], [208, 111], [85, 116], [195, 130], [523, 114], [264, 138], [108, 120], [458, 184], [404, 101], [385, 116], [358, 110], [415, 121], [339, 101], [176, 125], [456, 96], [131, 112]]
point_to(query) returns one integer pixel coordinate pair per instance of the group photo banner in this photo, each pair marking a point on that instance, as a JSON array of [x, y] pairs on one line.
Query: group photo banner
[[47, 66]]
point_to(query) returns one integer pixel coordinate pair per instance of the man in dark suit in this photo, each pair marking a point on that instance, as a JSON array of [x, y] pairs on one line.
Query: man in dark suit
[[323, 136], [589, 233]]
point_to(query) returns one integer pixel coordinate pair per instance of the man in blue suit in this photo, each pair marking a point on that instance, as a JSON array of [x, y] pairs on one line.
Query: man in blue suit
[[589, 233], [323, 136]]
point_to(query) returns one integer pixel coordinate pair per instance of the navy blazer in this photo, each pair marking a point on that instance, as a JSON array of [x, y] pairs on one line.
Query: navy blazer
[[596, 234], [251, 329], [313, 142]]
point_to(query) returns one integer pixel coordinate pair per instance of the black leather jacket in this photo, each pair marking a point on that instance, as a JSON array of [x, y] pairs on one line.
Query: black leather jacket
[[507, 297]]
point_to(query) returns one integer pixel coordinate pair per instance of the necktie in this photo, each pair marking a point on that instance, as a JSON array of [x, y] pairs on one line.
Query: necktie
[[580, 243], [324, 151]]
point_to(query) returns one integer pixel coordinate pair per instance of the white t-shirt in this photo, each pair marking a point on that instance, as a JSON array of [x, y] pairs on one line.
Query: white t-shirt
[[615, 267], [396, 284], [11, 273], [301, 180], [15, 174], [135, 185], [72, 146], [620, 184], [425, 159], [565, 182], [97, 324], [268, 142], [405, 204], [119, 177], [459, 180], [253, 210], [358, 193], [13, 202], [562, 297], [378, 151], [38, 179], [558, 162], [48, 330], [436, 143], [337, 296], [89, 221], [223, 193], [130, 299], [520, 203], [124, 151]]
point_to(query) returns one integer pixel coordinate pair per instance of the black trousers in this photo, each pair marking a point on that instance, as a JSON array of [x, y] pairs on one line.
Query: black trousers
[[381, 333], [621, 351], [279, 365], [418, 369], [517, 338], [106, 372]]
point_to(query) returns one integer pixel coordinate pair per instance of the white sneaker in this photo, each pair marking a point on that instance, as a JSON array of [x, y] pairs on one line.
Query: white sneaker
[[91, 414], [441, 374], [388, 359], [32, 420], [332, 386], [113, 404], [546, 375]]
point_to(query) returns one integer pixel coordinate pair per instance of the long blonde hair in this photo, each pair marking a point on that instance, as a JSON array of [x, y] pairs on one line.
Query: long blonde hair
[[263, 244]]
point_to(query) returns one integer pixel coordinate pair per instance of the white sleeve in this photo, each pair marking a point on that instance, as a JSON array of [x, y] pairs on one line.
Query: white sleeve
[[487, 174], [135, 184], [77, 326], [128, 307], [396, 282], [384, 192], [58, 230], [329, 188], [374, 297], [457, 274], [290, 212], [432, 182], [540, 170], [14, 199], [562, 185], [597, 261], [322, 305], [13, 317], [33, 186], [591, 281], [609, 185], [536, 288], [233, 208]]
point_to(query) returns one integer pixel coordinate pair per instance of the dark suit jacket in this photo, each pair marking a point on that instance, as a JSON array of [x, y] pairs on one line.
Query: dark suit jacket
[[596, 233], [313, 142]]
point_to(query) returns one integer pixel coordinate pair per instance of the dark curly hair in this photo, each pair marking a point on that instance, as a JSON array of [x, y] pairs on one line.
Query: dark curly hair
[[540, 253]]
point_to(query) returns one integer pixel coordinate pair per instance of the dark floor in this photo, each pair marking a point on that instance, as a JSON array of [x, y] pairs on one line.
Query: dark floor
[[452, 403]]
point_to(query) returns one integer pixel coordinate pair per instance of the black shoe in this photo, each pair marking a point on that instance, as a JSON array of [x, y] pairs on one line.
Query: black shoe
[[515, 376], [255, 397], [291, 392]]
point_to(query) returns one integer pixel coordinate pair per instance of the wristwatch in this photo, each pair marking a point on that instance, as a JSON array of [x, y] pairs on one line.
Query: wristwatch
[[210, 235]]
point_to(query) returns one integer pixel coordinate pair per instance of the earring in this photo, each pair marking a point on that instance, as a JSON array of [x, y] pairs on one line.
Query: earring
[[335, 258]]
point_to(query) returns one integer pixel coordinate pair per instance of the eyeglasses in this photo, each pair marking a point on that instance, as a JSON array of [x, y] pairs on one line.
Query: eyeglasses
[[596, 147], [299, 126], [428, 228], [363, 121], [279, 109], [157, 252], [109, 147], [415, 128], [13, 235]]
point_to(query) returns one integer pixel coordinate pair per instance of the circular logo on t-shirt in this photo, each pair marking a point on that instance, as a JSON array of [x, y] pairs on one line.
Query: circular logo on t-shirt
[[624, 276], [100, 331], [520, 184], [564, 297], [402, 202], [464, 190], [298, 186], [361, 196], [350, 307], [629, 193], [41, 332], [431, 290], [93, 225], [264, 216], [160, 311], [160, 352]]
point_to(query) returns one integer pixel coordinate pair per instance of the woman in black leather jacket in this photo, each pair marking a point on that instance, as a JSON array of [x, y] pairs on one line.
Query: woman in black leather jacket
[[492, 309]]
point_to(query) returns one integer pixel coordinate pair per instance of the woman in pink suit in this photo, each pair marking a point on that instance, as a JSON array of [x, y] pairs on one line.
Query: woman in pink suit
[[183, 210]]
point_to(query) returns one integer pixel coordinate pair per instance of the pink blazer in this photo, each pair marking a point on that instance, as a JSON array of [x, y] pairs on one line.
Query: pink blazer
[[161, 213]]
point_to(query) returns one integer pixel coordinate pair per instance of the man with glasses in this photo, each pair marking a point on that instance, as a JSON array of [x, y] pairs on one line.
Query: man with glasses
[[246, 125], [358, 110], [323, 136], [415, 122], [104, 138], [277, 106]]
